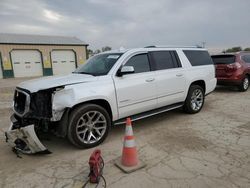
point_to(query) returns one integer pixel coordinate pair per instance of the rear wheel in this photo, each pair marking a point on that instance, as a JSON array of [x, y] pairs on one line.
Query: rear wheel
[[195, 99], [244, 84], [89, 126]]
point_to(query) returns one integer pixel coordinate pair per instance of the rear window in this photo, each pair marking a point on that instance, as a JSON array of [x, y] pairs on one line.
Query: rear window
[[223, 59], [198, 57]]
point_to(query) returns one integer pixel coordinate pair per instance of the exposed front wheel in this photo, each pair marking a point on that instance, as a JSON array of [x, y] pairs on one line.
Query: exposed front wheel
[[195, 99], [244, 84], [88, 126]]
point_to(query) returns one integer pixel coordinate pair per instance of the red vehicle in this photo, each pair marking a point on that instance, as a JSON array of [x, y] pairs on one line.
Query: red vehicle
[[233, 69]]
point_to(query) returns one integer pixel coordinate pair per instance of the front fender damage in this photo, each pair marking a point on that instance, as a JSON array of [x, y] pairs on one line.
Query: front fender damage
[[25, 140], [47, 112]]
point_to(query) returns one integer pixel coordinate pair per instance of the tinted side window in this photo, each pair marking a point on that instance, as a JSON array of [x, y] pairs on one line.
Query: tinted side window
[[197, 57], [139, 62], [246, 58], [163, 60]]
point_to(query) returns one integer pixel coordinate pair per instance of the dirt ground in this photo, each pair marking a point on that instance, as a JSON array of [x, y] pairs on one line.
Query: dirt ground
[[208, 149]]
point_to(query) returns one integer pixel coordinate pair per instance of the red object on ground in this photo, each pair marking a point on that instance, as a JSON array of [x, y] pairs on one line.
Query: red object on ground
[[96, 165]]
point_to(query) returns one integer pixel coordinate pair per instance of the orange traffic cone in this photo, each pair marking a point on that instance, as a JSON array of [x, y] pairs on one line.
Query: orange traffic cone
[[129, 152], [129, 161]]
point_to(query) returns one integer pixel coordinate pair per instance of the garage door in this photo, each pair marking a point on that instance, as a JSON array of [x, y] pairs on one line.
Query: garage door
[[26, 63], [63, 61]]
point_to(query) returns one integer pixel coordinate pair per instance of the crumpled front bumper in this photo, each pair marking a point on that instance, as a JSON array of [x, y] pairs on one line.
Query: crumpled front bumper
[[25, 140]]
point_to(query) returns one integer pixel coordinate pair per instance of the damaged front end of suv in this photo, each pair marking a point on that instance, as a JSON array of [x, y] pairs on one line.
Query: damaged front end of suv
[[34, 112]]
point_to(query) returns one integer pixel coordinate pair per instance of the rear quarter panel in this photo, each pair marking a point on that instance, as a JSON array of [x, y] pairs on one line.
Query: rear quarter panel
[[195, 73]]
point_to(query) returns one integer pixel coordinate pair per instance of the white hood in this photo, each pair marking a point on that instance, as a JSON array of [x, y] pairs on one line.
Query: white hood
[[54, 81]]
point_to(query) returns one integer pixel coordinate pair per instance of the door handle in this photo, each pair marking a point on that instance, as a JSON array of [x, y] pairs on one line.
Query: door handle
[[150, 80], [179, 74]]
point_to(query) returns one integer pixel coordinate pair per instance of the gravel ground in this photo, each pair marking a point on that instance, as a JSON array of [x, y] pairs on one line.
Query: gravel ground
[[208, 149]]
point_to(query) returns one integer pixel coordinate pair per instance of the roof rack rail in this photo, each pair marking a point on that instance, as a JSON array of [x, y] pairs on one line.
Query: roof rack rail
[[153, 46]]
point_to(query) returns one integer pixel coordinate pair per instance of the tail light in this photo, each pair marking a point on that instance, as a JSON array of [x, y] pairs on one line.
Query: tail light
[[233, 67]]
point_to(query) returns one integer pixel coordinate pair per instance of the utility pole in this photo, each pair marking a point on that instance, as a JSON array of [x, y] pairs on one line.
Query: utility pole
[[203, 44]]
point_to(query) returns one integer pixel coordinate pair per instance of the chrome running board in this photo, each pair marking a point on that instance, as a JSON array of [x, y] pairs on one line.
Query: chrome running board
[[149, 113]]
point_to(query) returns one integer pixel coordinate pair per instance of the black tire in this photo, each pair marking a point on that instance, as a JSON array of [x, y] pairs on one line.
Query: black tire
[[188, 105], [244, 84], [81, 114]]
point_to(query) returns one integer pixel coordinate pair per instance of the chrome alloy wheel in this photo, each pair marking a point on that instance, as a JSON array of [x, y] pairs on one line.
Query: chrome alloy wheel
[[91, 127], [197, 99], [245, 83]]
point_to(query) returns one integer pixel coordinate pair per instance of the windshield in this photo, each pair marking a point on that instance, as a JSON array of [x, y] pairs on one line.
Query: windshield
[[99, 64]]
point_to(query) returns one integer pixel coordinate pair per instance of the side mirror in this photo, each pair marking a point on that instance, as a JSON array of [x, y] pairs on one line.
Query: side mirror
[[125, 70]]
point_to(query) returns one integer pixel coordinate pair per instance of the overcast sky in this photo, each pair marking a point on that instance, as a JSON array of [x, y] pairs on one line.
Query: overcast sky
[[132, 23]]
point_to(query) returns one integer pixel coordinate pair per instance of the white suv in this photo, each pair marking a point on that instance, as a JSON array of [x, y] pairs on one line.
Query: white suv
[[111, 86]]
